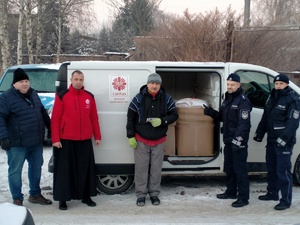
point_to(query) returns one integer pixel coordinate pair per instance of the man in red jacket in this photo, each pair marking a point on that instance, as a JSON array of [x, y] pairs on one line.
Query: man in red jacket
[[74, 121]]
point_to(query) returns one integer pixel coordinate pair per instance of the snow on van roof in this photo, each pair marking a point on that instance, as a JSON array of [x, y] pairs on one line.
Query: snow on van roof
[[33, 66]]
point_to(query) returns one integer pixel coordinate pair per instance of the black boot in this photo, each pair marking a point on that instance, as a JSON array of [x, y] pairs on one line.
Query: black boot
[[63, 205]]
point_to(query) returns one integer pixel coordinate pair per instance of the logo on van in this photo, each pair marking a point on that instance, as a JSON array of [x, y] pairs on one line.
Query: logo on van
[[119, 83]]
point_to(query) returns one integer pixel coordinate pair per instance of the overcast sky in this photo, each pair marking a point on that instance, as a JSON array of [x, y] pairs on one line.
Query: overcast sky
[[176, 6]]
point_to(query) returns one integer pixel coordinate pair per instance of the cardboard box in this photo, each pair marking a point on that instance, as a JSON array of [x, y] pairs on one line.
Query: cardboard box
[[170, 144], [194, 133]]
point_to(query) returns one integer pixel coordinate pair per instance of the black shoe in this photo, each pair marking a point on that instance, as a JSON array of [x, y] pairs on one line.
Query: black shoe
[[155, 200], [268, 197], [141, 201], [226, 196], [18, 202], [40, 199], [239, 203], [282, 206], [63, 205], [89, 202]]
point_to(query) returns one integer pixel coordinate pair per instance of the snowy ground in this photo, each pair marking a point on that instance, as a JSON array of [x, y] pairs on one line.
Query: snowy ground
[[184, 200]]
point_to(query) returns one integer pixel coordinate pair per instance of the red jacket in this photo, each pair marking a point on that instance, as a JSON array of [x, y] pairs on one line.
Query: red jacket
[[74, 116]]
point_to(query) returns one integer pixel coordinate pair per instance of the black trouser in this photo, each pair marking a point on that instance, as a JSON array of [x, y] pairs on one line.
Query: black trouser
[[278, 160], [235, 167]]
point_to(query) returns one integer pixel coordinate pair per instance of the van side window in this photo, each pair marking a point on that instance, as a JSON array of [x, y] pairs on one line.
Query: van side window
[[41, 79], [257, 86]]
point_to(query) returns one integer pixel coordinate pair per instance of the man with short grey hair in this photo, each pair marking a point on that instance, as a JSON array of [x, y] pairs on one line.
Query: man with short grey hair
[[148, 117]]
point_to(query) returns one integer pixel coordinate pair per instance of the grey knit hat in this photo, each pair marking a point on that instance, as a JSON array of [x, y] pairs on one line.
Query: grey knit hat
[[154, 77]]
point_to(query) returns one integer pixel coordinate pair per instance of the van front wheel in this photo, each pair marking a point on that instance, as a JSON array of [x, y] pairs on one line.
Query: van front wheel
[[297, 171], [114, 184]]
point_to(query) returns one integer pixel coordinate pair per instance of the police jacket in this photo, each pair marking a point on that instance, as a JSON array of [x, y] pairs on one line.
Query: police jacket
[[145, 106], [22, 118], [281, 117], [235, 115], [75, 116]]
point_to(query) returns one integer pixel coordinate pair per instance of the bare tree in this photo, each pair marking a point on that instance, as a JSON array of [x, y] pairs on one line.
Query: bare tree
[[4, 40], [196, 37], [20, 31], [39, 31], [72, 10], [273, 38], [28, 30], [276, 12]]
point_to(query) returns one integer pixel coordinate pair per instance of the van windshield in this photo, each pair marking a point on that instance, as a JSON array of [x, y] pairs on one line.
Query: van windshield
[[41, 79]]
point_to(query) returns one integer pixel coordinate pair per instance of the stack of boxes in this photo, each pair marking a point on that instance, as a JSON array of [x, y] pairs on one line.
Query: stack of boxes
[[192, 135]]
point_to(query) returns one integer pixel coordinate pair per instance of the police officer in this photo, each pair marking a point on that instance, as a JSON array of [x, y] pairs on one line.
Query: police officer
[[235, 115], [280, 121]]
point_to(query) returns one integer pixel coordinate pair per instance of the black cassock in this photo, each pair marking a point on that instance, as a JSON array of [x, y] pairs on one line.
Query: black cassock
[[74, 175]]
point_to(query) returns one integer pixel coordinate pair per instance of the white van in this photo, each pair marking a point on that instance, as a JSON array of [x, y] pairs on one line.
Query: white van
[[114, 84]]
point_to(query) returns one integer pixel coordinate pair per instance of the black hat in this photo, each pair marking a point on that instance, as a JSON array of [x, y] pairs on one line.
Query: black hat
[[234, 77], [154, 77], [282, 77], [19, 74]]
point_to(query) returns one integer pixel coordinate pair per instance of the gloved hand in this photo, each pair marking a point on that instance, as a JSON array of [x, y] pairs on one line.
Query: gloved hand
[[235, 145], [280, 142], [133, 143], [257, 139], [155, 122], [209, 111], [5, 144]]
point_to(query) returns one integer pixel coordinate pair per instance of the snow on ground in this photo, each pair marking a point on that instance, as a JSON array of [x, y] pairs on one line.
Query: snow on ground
[[184, 200]]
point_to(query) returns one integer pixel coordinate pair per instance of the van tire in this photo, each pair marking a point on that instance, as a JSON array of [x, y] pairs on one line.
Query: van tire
[[114, 184], [297, 171]]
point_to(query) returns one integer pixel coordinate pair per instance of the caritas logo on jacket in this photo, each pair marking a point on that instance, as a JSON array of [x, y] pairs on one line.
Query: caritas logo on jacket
[[88, 104]]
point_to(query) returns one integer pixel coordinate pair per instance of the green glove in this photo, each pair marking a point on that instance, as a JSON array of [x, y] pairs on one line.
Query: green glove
[[132, 142], [156, 122]]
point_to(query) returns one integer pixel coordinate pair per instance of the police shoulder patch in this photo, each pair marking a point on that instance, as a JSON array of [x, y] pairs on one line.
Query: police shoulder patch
[[296, 114], [245, 114]]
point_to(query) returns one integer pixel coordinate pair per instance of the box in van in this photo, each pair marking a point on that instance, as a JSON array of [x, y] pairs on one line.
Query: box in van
[[114, 84]]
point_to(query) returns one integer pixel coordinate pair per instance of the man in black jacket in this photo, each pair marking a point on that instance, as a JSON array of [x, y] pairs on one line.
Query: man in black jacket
[[235, 115], [148, 117], [280, 121], [22, 125]]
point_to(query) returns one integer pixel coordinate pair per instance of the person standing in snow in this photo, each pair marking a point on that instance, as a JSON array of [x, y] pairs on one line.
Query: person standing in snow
[[235, 115], [73, 124], [149, 114], [280, 121], [22, 127]]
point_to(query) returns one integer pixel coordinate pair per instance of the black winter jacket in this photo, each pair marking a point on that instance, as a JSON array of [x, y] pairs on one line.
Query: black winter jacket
[[281, 117], [144, 106], [22, 119], [235, 115]]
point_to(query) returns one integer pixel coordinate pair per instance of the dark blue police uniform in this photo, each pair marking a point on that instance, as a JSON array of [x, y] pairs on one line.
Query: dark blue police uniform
[[280, 121], [235, 115]]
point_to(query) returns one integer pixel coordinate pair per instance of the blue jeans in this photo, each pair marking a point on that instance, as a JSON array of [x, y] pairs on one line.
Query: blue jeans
[[16, 158]]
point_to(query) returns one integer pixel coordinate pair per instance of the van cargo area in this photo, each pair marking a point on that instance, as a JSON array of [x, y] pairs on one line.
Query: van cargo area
[[191, 139]]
